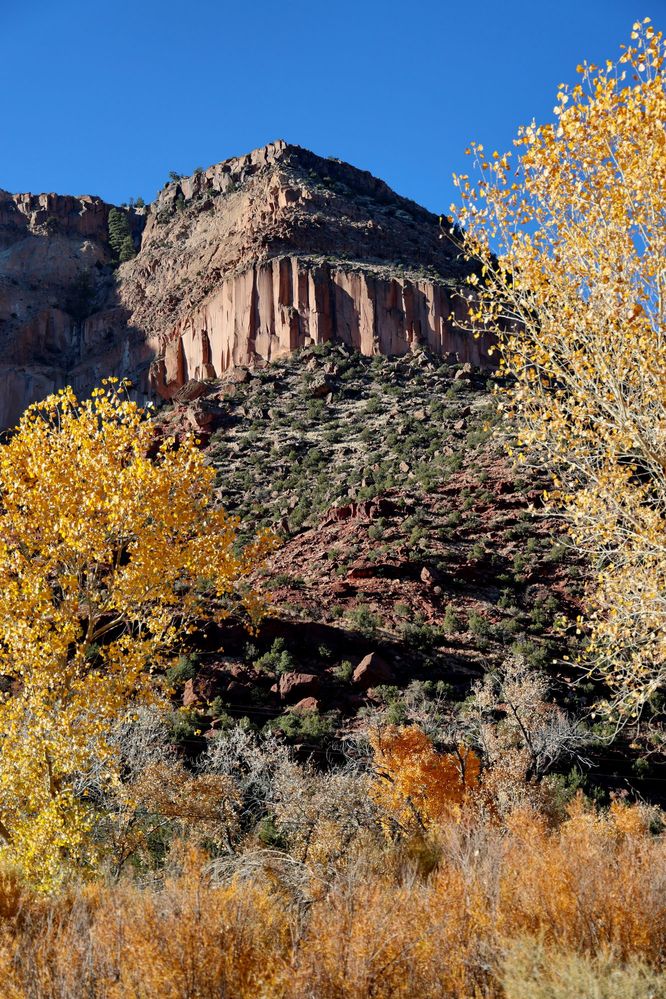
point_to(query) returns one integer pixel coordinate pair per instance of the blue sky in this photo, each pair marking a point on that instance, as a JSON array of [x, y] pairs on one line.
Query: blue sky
[[107, 97]]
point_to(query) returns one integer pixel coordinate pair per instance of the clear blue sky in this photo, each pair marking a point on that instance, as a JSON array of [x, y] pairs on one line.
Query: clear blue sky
[[106, 97]]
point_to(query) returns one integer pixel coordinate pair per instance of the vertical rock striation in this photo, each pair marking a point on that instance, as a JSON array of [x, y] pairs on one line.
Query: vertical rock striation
[[286, 303]]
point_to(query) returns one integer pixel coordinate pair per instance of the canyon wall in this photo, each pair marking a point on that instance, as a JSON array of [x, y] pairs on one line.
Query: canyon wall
[[286, 303], [236, 265], [61, 321]]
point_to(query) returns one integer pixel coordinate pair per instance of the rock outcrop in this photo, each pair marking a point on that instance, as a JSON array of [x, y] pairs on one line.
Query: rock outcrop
[[237, 264], [60, 318], [276, 307]]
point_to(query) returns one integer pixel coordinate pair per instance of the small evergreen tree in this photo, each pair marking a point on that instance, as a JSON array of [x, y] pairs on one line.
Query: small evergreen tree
[[119, 232], [127, 251]]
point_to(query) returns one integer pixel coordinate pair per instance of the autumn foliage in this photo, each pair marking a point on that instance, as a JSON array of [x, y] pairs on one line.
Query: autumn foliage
[[107, 556], [508, 912], [444, 858], [417, 787], [570, 242]]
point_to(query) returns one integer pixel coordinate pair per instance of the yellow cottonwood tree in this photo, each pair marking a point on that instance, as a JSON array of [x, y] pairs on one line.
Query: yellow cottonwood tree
[[105, 556], [571, 243]]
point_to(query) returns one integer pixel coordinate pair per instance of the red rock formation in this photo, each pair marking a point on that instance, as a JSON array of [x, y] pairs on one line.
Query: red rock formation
[[295, 686], [238, 265], [372, 670], [50, 244], [281, 248], [275, 307]]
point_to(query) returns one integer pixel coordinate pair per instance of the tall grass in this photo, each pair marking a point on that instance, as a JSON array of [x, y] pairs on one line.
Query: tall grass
[[505, 911]]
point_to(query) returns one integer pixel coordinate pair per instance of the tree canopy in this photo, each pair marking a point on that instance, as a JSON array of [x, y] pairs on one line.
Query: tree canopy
[[120, 236], [107, 558], [571, 242]]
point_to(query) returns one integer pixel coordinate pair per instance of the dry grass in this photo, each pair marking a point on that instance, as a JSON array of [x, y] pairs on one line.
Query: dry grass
[[534, 972], [508, 912]]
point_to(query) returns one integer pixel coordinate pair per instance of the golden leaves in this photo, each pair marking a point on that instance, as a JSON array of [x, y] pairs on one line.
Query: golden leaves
[[102, 555], [573, 249], [416, 786]]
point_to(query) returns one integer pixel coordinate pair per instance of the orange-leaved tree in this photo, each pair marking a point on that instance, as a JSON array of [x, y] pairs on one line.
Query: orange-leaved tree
[[570, 239], [415, 786], [107, 556]]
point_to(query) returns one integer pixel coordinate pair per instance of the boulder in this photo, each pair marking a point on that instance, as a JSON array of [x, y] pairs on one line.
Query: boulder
[[237, 376], [430, 576], [372, 671], [191, 391], [306, 704], [321, 387], [295, 686], [237, 693], [198, 691], [464, 372]]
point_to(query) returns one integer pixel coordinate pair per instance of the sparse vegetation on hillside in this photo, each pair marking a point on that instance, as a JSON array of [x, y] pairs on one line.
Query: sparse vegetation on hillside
[[327, 426], [432, 553]]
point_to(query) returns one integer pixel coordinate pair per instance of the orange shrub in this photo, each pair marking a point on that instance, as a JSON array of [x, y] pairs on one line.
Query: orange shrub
[[417, 786], [594, 885]]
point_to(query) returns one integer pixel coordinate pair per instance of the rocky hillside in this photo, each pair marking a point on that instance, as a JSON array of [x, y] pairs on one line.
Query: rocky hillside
[[238, 264], [281, 248], [60, 316], [307, 323], [414, 556]]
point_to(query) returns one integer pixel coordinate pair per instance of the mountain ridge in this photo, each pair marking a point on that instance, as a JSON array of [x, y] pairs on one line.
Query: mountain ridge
[[246, 261]]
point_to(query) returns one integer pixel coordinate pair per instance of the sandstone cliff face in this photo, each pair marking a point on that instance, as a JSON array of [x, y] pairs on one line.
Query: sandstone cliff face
[[276, 307], [274, 250], [237, 264]]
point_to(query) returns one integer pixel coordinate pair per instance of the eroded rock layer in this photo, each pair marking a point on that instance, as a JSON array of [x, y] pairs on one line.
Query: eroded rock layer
[[284, 304], [61, 321], [237, 264]]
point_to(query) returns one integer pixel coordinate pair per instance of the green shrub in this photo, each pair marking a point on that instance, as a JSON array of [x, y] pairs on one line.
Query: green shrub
[[186, 726], [364, 620], [479, 625], [396, 713], [269, 834], [533, 653], [183, 669], [451, 622], [344, 671], [422, 637], [277, 660], [308, 725]]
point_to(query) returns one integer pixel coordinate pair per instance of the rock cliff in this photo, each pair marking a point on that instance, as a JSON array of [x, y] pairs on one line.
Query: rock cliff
[[237, 264], [61, 321]]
